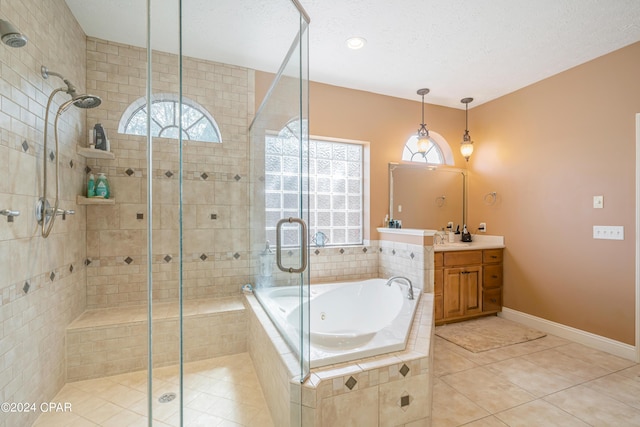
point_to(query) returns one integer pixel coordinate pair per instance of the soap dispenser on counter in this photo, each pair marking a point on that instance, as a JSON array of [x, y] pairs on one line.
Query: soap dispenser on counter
[[450, 235], [466, 236]]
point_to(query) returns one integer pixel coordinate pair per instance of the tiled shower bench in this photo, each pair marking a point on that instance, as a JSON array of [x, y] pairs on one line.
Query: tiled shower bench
[[110, 341]]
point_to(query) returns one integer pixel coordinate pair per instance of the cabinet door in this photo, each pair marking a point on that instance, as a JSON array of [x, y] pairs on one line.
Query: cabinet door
[[462, 293], [453, 305], [472, 289]]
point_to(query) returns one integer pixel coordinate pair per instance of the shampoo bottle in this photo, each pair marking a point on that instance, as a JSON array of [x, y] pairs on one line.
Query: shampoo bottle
[[91, 187], [102, 186], [99, 137]]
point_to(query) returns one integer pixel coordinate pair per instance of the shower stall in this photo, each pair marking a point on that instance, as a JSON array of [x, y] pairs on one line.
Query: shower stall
[[142, 293]]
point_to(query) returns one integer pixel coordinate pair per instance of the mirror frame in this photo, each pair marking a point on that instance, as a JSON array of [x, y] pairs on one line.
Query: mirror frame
[[394, 165]]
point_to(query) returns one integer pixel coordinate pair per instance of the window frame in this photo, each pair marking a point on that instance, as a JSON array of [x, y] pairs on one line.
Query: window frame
[[437, 141], [140, 104]]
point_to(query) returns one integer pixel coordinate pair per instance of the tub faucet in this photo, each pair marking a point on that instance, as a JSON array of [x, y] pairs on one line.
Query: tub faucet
[[410, 293]]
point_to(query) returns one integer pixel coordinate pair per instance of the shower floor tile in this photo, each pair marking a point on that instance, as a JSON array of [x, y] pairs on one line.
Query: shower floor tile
[[224, 391]]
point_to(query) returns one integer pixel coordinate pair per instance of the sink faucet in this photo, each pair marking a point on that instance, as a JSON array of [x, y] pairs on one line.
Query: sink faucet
[[410, 293]]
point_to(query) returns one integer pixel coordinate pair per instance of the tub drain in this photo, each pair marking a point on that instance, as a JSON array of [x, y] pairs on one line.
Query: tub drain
[[167, 397]]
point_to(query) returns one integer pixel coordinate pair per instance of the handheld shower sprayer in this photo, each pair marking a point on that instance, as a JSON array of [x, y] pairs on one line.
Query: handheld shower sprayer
[[81, 101], [45, 213]]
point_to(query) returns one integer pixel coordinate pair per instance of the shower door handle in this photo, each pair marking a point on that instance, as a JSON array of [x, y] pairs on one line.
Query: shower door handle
[[303, 226]]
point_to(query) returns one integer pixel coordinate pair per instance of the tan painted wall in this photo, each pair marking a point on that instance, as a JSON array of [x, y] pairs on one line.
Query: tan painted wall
[[546, 150]]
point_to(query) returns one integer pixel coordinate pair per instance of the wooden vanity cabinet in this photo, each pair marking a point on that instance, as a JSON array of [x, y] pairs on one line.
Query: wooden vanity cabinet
[[467, 284]]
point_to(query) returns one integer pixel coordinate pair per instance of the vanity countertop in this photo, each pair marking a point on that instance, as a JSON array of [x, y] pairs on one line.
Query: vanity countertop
[[479, 242]]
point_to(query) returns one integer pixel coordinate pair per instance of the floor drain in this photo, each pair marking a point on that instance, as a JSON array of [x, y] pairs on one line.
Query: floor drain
[[167, 397]]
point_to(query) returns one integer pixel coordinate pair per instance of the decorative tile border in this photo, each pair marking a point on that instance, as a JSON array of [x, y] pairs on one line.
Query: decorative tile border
[[33, 284]]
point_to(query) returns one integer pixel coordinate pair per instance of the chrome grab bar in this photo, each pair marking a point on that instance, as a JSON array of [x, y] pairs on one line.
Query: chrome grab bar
[[303, 226]]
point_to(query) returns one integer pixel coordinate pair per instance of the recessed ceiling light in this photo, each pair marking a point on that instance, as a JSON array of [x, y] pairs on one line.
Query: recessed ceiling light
[[356, 43]]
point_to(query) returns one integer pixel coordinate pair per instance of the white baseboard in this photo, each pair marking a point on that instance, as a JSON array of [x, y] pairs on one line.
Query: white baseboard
[[598, 342]]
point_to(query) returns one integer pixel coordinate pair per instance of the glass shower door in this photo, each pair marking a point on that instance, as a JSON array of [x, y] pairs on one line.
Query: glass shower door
[[207, 228], [280, 203]]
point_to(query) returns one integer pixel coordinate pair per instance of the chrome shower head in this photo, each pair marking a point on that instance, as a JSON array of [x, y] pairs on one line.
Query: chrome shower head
[[80, 101], [10, 35], [86, 101]]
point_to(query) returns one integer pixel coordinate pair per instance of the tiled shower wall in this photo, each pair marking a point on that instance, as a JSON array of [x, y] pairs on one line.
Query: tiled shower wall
[[215, 182], [42, 281]]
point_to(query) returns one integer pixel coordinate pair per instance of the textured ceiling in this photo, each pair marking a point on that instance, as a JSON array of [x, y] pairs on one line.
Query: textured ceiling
[[458, 48]]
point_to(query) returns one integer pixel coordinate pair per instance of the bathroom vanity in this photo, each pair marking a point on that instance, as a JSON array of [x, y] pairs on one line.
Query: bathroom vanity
[[467, 283]]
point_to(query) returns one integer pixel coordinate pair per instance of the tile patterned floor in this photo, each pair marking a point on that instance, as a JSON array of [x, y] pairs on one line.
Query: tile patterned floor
[[220, 392], [545, 382]]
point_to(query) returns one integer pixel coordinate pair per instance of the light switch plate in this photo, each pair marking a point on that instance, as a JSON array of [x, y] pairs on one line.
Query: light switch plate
[[598, 202], [608, 232]]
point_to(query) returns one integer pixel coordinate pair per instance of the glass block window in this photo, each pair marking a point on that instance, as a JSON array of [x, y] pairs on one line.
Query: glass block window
[[197, 123], [335, 189], [433, 155]]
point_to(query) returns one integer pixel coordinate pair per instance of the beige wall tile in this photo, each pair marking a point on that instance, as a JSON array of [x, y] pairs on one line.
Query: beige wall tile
[[352, 409], [415, 390]]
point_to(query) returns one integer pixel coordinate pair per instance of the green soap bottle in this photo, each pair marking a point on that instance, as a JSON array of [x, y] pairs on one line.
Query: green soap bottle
[[102, 186], [91, 187]]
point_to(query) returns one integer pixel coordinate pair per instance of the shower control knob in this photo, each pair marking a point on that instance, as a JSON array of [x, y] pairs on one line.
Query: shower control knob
[[9, 212]]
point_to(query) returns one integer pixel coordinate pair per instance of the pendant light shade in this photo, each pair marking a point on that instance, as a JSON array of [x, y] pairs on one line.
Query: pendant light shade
[[466, 146], [423, 132]]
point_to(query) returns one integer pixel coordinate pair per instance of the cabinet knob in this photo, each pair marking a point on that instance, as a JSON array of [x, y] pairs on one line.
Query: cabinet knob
[[494, 277], [494, 300]]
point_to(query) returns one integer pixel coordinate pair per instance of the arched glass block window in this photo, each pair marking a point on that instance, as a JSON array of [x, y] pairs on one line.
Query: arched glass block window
[[438, 152], [197, 123]]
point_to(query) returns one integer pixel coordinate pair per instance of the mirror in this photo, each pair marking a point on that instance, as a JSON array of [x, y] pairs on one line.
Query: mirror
[[426, 197]]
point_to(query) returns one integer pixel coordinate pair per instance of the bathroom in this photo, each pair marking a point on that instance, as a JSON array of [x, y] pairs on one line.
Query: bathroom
[[49, 282]]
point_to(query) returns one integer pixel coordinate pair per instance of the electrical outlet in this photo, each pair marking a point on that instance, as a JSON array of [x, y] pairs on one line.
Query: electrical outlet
[[482, 227], [399, 208], [608, 232]]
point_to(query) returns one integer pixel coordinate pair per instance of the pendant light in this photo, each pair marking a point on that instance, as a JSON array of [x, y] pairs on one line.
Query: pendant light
[[466, 147], [423, 132]]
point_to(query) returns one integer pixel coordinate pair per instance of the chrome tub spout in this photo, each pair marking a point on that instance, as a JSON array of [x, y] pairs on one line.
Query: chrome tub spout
[[410, 292]]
